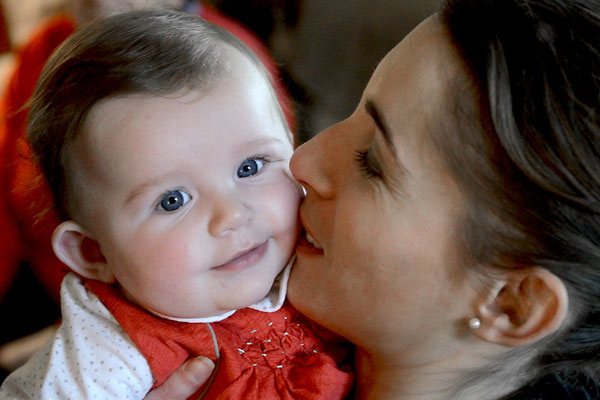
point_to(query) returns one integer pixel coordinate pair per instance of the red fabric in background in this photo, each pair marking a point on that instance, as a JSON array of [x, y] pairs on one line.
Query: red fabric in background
[[5, 44], [24, 236], [26, 219]]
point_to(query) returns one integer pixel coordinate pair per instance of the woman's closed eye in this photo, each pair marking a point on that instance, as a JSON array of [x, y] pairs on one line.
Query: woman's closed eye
[[252, 166], [367, 166], [173, 200]]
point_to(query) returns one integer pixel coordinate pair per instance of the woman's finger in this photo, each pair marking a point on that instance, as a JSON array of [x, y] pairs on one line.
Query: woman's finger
[[185, 381]]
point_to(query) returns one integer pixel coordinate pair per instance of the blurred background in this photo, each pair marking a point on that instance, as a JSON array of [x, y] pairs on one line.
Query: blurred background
[[322, 52], [327, 48]]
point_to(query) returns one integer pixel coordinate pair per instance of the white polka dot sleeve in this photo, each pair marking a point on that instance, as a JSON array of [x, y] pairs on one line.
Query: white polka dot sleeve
[[90, 357]]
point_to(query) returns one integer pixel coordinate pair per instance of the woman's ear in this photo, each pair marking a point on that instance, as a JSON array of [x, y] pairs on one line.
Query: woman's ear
[[525, 306], [73, 246]]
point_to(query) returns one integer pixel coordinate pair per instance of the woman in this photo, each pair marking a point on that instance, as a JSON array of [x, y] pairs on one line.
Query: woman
[[453, 226]]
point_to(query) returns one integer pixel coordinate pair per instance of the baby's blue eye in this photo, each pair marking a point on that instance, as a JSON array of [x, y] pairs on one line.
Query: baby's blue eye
[[173, 200], [249, 168]]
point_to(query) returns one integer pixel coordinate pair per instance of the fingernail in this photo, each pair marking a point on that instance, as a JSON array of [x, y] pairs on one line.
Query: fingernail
[[200, 367]]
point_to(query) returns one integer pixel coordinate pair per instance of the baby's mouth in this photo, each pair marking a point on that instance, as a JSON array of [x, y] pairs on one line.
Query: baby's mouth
[[245, 259]]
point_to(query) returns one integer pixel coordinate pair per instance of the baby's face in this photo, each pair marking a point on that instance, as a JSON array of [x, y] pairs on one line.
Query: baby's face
[[190, 197]]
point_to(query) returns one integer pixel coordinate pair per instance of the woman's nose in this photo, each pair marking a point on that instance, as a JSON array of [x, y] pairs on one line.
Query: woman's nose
[[312, 165], [229, 214]]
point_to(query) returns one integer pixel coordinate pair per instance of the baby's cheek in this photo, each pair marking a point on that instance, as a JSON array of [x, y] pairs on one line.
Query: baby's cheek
[[290, 199], [169, 270], [282, 202], [173, 255]]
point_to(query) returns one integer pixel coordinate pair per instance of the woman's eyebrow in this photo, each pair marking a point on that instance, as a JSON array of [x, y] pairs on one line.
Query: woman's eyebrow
[[371, 109]]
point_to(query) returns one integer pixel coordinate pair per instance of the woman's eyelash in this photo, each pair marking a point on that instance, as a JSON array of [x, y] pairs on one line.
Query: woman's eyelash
[[362, 161]]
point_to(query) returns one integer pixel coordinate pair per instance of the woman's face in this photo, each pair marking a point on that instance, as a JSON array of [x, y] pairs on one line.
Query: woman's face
[[384, 210]]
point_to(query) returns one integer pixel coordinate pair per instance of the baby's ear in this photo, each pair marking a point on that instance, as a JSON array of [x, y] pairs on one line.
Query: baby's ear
[[74, 246], [525, 306]]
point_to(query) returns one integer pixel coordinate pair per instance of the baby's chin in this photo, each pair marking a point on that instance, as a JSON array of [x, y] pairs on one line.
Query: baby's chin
[[251, 298], [235, 299]]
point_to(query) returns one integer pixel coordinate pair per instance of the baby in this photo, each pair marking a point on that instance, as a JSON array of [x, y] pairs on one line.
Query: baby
[[167, 154]]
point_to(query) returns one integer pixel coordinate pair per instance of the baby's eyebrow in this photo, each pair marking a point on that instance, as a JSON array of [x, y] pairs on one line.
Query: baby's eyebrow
[[143, 187], [137, 191], [263, 141]]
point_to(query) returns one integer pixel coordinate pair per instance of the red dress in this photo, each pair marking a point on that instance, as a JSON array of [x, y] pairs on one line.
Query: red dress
[[276, 355], [27, 219]]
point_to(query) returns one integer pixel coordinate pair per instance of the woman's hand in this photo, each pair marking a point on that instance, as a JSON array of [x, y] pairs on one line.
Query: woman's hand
[[185, 381]]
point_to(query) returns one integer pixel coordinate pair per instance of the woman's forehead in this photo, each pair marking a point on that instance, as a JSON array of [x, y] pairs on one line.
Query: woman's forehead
[[425, 60], [417, 82]]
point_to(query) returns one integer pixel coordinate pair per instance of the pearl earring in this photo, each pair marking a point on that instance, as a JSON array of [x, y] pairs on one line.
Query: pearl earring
[[474, 323]]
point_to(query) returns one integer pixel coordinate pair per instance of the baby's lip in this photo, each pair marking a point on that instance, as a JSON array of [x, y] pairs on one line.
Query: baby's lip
[[246, 255]]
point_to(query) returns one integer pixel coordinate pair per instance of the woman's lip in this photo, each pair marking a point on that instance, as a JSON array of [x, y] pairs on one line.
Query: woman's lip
[[245, 260], [304, 247]]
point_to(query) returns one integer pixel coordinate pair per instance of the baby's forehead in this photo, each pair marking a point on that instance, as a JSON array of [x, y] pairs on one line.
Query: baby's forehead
[[128, 113], [130, 121]]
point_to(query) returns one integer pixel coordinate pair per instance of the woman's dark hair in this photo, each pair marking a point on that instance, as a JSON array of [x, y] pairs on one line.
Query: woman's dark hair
[[532, 181], [156, 52]]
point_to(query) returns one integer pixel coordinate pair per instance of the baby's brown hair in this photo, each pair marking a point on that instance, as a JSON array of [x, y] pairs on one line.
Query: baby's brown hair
[[157, 52]]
